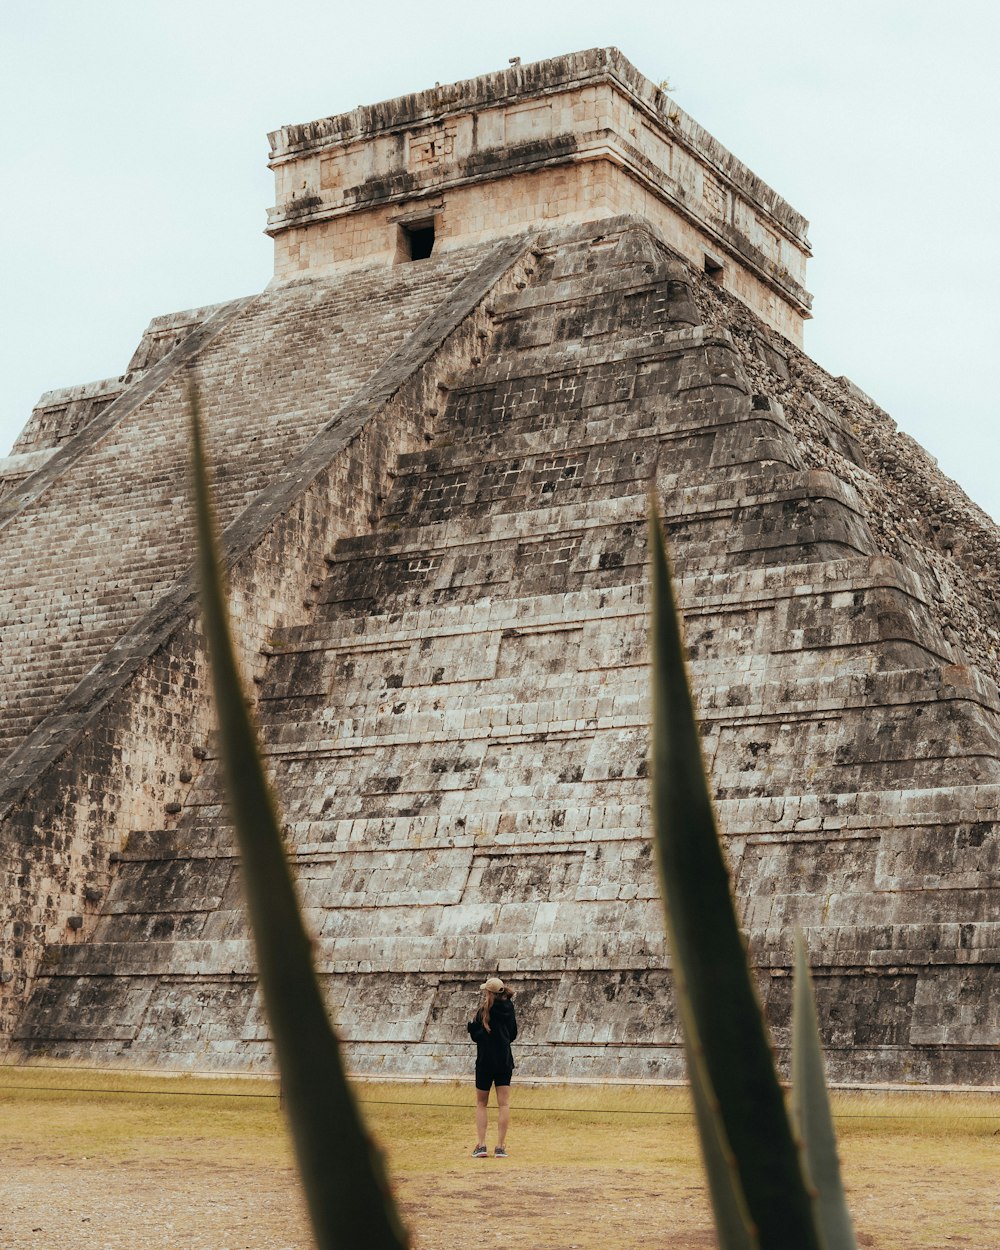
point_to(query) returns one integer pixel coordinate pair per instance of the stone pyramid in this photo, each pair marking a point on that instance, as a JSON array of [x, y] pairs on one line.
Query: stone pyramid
[[433, 472]]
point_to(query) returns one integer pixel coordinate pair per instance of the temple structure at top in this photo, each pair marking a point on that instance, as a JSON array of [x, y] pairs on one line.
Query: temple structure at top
[[572, 139]]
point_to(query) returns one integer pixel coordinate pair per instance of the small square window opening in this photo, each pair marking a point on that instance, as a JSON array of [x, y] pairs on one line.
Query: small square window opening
[[416, 240]]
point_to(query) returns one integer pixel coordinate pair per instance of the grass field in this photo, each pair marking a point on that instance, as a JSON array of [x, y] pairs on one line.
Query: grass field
[[131, 1163]]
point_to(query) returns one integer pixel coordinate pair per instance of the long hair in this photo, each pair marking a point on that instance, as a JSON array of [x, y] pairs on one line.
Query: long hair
[[489, 998]]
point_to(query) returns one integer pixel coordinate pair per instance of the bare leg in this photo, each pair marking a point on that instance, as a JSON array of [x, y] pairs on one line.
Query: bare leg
[[503, 1113], [482, 1098]]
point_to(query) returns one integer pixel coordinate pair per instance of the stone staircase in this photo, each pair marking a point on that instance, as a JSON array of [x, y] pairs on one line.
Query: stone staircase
[[117, 509], [118, 750]]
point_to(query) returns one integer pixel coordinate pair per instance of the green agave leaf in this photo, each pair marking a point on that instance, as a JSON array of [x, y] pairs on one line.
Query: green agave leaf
[[346, 1187], [719, 1008], [811, 1111], [733, 1222]]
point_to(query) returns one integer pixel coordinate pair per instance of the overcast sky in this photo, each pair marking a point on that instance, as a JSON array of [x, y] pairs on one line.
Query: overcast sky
[[135, 179]]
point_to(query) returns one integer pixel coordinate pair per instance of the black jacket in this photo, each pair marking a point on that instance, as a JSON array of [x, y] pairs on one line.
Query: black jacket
[[493, 1048]]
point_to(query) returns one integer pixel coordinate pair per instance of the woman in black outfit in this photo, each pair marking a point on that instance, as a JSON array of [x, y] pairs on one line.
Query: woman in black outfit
[[493, 1029]]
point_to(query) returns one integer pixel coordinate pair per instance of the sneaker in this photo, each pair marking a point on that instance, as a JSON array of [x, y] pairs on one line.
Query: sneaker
[[480, 1152], [500, 1153]]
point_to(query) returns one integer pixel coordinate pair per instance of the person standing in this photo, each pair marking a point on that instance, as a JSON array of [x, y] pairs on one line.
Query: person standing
[[493, 1028]]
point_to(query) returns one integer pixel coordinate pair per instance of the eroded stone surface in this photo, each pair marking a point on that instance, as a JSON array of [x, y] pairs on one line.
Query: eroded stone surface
[[459, 732], [433, 478]]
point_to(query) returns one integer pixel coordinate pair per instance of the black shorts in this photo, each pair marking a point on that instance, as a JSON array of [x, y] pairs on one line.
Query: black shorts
[[487, 1077]]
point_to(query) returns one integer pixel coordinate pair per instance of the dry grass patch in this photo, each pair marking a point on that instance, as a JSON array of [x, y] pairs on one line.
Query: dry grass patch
[[151, 1163]]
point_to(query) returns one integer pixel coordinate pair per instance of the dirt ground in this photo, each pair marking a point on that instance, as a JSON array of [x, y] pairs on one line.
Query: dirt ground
[[179, 1206], [588, 1169], [174, 1205]]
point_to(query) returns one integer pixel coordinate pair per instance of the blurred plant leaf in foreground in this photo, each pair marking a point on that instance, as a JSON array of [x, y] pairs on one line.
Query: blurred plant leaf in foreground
[[760, 1194], [347, 1191], [811, 1110]]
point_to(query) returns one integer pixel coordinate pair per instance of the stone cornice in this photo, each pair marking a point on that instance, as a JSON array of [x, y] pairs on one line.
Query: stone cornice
[[539, 79]]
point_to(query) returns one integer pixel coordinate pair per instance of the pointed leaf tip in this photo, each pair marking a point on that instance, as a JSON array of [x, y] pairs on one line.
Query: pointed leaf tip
[[811, 1109]]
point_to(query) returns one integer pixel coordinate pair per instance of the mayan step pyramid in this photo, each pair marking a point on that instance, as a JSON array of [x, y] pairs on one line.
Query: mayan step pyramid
[[504, 311]]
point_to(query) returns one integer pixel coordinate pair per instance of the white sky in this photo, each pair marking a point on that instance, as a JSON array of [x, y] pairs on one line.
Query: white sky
[[135, 183]]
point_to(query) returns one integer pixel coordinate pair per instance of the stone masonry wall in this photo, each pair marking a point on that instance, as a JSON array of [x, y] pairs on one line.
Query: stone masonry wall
[[592, 189], [121, 750], [571, 139], [59, 415], [458, 727], [118, 514]]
